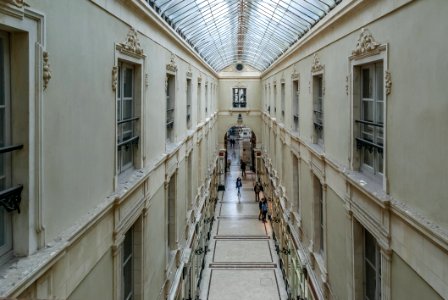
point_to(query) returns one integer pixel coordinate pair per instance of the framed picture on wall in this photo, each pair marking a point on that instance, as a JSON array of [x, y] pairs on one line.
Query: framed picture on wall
[[239, 97]]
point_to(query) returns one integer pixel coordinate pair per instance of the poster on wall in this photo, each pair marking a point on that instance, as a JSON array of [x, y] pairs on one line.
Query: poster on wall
[[239, 97]]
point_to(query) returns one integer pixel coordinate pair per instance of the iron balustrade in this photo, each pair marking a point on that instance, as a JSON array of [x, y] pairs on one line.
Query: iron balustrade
[[367, 144], [10, 198]]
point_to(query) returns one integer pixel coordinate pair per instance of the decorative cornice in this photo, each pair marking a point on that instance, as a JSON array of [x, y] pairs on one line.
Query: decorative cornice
[[388, 82], [366, 43], [316, 66], [46, 70], [132, 44], [172, 67], [114, 78]]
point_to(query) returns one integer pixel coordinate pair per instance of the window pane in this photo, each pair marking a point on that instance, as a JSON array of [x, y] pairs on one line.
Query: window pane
[[367, 107], [127, 155], [119, 110], [379, 112], [379, 80], [127, 85], [127, 274], [368, 158], [2, 72], [370, 282], [370, 247], [380, 163], [366, 84], [2, 226], [127, 109]]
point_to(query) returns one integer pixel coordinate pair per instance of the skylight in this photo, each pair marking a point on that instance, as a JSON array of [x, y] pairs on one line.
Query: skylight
[[252, 32]]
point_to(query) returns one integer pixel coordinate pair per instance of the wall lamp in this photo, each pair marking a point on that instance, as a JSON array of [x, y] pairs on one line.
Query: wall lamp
[[285, 251], [208, 220], [201, 251]]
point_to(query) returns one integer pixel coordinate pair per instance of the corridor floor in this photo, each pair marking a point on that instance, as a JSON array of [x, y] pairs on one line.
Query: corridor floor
[[242, 262]]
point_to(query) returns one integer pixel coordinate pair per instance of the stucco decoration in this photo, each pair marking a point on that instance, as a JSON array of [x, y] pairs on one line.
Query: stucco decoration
[[172, 67], [388, 82], [46, 70], [282, 79], [114, 78], [366, 43], [189, 72], [132, 44], [17, 3], [199, 79], [347, 84], [294, 74], [146, 79], [316, 66]]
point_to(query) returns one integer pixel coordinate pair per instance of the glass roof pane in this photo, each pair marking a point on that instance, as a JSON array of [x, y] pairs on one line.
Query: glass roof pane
[[247, 31]]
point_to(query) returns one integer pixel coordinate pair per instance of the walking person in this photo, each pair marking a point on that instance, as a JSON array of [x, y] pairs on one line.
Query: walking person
[[260, 202], [239, 184], [257, 191], [264, 209], [243, 168]]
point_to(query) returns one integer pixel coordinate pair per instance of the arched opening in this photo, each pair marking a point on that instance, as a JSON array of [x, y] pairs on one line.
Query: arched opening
[[240, 142]]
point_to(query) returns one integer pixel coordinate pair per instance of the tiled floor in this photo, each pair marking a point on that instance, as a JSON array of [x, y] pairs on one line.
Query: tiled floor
[[243, 264]]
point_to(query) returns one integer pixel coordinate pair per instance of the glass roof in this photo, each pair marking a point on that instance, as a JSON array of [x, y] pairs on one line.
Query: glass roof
[[253, 32]]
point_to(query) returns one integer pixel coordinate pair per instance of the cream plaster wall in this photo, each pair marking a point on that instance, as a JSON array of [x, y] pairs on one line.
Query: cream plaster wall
[[156, 246], [253, 93], [336, 242], [407, 212], [99, 279], [86, 208], [227, 120], [406, 283]]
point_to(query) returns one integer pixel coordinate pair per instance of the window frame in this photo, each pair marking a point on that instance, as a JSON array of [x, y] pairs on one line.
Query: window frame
[[237, 92], [133, 141], [356, 62], [170, 95], [295, 96], [318, 100], [376, 266], [189, 99], [6, 248]]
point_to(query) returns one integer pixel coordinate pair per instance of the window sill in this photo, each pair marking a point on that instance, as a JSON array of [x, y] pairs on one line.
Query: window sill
[[127, 180], [366, 183]]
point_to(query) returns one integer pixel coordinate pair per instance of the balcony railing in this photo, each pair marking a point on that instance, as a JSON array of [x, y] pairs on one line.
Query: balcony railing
[[10, 198]]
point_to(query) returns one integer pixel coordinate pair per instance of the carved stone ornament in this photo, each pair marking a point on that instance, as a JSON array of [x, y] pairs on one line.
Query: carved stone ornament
[[317, 66], [46, 70], [294, 74], [366, 43], [114, 78], [282, 80], [146, 79], [388, 82], [132, 44], [189, 72], [17, 3], [199, 79], [172, 67], [347, 84]]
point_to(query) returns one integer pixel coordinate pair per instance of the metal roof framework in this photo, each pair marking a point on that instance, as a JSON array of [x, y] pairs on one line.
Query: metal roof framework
[[252, 32]]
